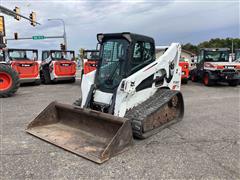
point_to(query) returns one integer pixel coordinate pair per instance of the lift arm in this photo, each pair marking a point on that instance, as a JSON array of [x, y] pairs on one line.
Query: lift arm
[[166, 65]]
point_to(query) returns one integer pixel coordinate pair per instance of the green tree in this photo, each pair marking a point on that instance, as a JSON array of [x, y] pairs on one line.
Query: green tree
[[213, 43], [220, 43], [190, 47]]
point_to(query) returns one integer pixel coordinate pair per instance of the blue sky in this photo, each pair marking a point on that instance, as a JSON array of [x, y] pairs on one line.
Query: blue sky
[[165, 20]]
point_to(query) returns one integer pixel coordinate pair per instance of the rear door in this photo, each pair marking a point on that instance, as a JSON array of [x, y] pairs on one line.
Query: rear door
[[26, 68], [64, 68], [24, 62]]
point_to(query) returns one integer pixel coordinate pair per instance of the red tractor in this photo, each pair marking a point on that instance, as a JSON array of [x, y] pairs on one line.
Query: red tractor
[[9, 79], [57, 66], [90, 60]]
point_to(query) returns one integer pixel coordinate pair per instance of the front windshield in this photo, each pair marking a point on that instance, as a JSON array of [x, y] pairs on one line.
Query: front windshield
[[22, 55], [217, 56], [62, 55], [113, 54]]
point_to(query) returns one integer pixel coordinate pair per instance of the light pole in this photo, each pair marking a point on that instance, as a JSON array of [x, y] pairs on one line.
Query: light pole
[[232, 51], [64, 30]]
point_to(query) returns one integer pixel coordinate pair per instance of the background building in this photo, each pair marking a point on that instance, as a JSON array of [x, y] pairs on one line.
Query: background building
[[185, 55]]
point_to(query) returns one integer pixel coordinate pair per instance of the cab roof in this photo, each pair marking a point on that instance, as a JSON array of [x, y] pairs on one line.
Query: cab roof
[[127, 35], [89, 50], [15, 49], [58, 50], [215, 49]]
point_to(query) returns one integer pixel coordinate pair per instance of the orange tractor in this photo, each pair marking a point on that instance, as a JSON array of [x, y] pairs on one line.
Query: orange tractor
[[9, 79]]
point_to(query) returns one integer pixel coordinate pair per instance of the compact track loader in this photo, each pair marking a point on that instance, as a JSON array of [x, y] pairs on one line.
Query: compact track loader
[[25, 63], [58, 65], [129, 94]]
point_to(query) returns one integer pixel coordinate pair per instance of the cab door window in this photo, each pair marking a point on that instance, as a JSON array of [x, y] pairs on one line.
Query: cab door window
[[138, 53], [143, 54]]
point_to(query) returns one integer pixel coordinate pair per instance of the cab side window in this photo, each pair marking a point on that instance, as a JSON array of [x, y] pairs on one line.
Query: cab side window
[[148, 52], [143, 54], [137, 53]]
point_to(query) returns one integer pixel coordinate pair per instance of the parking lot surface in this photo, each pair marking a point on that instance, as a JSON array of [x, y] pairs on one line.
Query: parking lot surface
[[204, 145]]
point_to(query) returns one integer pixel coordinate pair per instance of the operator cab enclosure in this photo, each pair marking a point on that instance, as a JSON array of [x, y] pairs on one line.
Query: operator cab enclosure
[[121, 55], [58, 65], [25, 62]]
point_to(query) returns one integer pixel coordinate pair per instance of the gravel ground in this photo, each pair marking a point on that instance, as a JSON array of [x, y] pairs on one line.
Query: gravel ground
[[204, 145]]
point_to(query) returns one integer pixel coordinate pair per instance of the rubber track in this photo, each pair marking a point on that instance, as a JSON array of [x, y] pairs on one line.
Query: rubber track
[[143, 110]]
